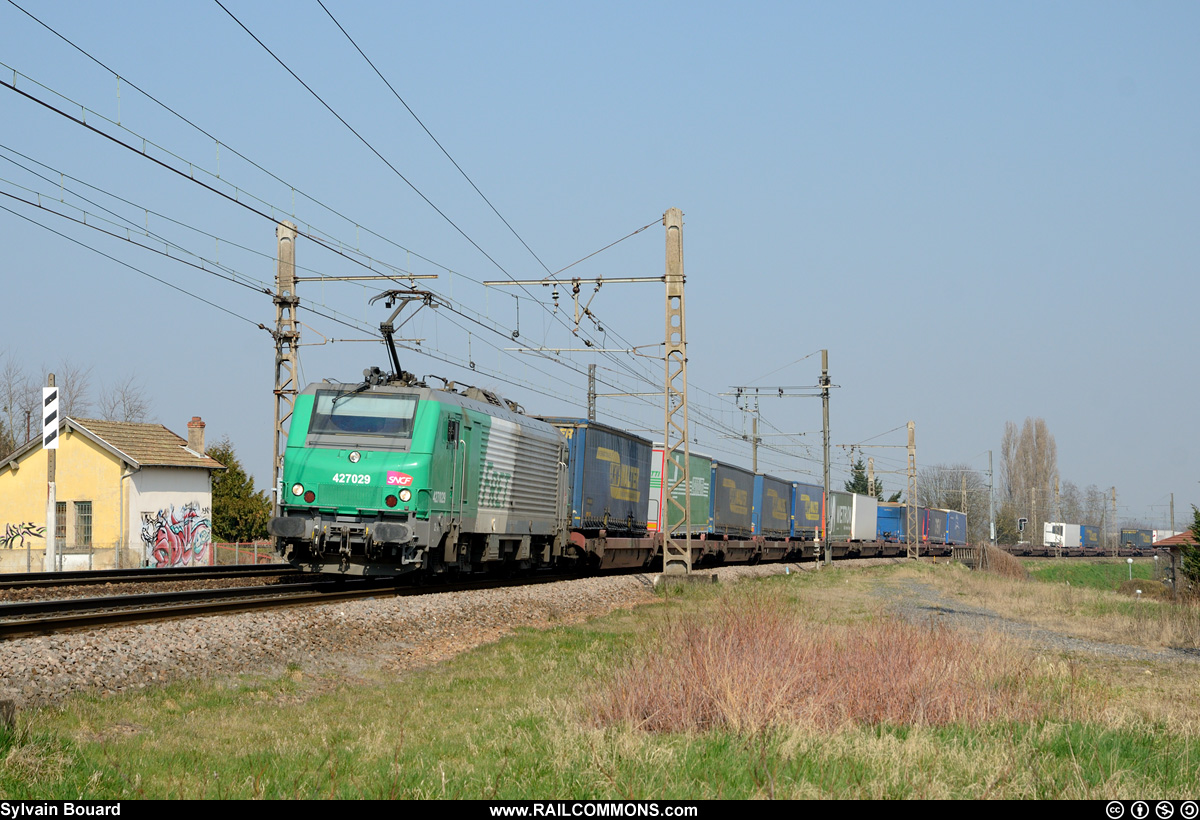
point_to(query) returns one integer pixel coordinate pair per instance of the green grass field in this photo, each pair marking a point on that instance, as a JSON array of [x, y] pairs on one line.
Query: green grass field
[[571, 712], [1094, 573]]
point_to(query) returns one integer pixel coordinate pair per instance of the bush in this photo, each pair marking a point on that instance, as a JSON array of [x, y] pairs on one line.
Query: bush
[[754, 665]]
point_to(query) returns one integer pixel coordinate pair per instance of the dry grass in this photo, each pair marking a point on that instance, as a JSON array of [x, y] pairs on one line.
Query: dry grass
[[1099, 615], [999, 562], [753, 665]]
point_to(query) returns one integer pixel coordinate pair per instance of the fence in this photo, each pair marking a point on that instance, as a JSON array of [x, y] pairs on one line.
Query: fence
[[244, 552]]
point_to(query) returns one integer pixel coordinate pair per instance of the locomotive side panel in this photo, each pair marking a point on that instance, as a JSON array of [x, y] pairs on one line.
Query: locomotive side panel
[[513, 485]]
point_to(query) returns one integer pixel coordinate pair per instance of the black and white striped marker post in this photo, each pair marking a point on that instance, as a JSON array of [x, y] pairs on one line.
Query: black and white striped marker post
[[49, 418]]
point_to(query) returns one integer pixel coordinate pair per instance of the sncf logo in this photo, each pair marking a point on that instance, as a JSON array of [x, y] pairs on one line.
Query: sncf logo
[[395, 479]]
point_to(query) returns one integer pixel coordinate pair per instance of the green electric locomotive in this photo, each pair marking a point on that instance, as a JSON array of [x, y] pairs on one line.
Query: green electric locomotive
[[386, 478]]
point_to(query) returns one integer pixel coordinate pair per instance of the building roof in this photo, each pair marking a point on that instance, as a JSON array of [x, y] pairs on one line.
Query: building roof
[[150, 445], [141, 445], [1179, 540]]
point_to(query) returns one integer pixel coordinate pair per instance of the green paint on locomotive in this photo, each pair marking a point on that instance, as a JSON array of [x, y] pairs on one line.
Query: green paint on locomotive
[[425, 461]]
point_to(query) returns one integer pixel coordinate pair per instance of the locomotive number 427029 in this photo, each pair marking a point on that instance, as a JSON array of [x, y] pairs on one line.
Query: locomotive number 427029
[[351, 478]]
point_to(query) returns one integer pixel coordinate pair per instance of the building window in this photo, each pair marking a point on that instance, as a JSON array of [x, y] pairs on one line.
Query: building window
[[83, 524], [60, 524]]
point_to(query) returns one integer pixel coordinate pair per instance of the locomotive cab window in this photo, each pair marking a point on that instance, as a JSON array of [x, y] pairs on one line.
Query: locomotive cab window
[[376, 419]]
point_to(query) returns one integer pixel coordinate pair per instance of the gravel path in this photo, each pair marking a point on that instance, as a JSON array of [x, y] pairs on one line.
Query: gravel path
[[352, 639], [917, 601]]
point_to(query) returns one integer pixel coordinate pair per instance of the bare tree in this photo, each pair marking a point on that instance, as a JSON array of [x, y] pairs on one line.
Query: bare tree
[[1028, 468], [1070, 501], [18, 395], [957, 487], [124, 401], [1095, 506], [74, 383]]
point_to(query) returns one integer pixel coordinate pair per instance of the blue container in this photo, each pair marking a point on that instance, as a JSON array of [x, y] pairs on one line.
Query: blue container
[[732, 510], [609, 475], [806, 510], [935, 526], [1089, 537], [891, 521], [1137, 538], [956, 527], [772, 507]]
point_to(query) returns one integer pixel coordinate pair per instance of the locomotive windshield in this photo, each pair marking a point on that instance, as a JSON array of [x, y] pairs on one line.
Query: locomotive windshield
[[382, 415]]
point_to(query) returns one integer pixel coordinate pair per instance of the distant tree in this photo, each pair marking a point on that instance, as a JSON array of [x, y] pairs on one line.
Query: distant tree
[[7, 442], [124, 401], [958, 487], [1190, 567], [74, 387], [858, 482], [18, 395], [239, 513], [1028, 467]]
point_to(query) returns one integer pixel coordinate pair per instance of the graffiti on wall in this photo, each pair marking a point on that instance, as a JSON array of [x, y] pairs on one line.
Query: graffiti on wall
[[15, 535], [177, 537]]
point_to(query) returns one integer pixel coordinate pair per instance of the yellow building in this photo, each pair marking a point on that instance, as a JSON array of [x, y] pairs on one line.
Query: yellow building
[[127, 494]]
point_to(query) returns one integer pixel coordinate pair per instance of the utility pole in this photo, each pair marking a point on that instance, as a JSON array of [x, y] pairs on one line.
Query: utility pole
[[991, 504], [50, 424], [912, 524], [1172, 513], [677, 558], [591, 392], [1038, 529], [1116, 541], [871, 477], [754, 439], [1058, 516], [287, 353], [824, 384]]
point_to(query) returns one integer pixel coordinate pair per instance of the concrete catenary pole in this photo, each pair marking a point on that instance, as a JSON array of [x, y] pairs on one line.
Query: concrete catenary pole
[[991, 504], [871, 477], [914, 529], [591, 392], [754, 440], [1116, 540], [287, 352], [677, 557], [825, 433]]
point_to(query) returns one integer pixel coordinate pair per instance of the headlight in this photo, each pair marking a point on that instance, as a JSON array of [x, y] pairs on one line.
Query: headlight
[[355, 456], [297, 489], [405, 495]]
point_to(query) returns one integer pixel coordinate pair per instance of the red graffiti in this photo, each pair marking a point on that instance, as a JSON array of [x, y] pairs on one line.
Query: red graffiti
[[177, 538]]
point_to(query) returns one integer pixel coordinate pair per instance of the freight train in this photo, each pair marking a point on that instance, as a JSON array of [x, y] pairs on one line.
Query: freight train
[[391, 476]]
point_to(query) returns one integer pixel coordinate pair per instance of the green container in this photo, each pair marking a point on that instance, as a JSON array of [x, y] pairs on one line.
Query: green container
[[700, 468]]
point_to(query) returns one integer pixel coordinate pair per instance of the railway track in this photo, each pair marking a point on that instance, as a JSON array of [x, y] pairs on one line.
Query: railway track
[[30, 580], [47, 617]]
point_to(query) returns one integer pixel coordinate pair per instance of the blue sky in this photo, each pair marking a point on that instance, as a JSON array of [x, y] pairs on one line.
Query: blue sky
[[984, 211]]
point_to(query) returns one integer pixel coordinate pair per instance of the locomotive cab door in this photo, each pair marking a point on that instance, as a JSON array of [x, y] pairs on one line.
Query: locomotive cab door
[[458, 440]]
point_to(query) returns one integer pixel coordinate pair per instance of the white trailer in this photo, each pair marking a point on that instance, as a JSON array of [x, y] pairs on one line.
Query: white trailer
[[1066, 536]]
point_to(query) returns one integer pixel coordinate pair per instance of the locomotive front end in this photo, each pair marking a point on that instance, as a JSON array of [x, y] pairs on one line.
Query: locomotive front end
[[355, 481]]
